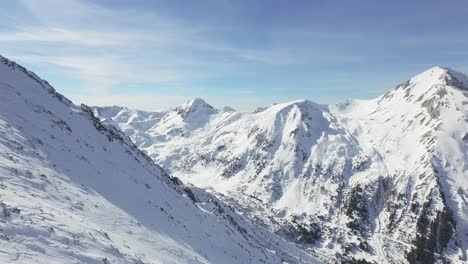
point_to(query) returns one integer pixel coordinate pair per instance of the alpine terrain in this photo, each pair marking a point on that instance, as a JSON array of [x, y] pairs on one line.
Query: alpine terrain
[[75, 190], [363, 181]]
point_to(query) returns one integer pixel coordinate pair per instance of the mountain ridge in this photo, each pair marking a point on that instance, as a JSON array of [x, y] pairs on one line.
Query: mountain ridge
[[76, 190], [359, 179]]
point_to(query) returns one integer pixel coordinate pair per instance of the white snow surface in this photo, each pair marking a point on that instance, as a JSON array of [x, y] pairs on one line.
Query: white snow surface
[[75, 190], [366, 172]]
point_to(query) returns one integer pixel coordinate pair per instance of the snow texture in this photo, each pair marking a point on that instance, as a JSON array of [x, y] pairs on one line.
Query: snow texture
[[382, 180], [75, 190]]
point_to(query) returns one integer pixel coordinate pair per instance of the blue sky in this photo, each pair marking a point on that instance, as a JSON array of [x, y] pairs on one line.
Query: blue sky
[[243, 53]]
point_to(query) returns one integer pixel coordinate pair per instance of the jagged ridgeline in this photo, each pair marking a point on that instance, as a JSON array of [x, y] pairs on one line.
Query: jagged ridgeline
[[76, 190], [380, 181]]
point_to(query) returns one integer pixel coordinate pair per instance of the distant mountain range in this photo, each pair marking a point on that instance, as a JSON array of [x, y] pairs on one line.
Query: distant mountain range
[[364, 181]]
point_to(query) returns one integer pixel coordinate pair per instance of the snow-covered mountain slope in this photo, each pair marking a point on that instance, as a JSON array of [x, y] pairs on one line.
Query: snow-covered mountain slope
[[383, 180], [419, 132], [73, 190]]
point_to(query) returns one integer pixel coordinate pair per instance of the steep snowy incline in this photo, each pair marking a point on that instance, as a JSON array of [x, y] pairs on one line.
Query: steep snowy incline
[[73, 190], [382, 180], [419, 132]]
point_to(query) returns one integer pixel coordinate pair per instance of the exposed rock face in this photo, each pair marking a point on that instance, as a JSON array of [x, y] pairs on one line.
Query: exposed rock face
[[384, 180]]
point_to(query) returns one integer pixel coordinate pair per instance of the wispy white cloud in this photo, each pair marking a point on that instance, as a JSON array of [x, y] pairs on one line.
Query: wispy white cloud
[[72, 39], [108, 47], [100, 73], [65, 36], [111, 68]]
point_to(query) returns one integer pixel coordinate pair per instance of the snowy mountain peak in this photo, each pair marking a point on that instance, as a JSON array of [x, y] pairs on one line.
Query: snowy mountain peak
[[303, 103], [228, 109], [430, 90], [441, 76], [195, 106], [302, 106], [434, 73]]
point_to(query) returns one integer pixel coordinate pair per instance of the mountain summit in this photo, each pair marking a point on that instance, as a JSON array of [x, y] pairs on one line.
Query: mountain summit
[[442, 76], [195, 107], [383, 180]]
